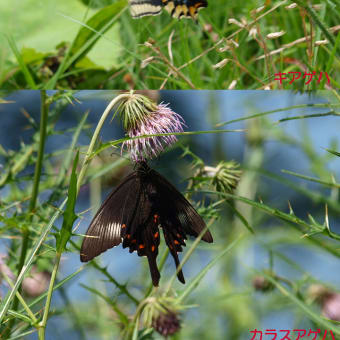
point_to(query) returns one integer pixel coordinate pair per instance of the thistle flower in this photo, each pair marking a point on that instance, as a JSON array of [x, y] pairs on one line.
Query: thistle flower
[[327, 299], [162, 315], [37, 283], [141, 116], [4, 269], [33, 285]]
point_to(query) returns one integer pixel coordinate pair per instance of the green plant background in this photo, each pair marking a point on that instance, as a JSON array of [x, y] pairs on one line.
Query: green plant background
[[113, 53], [288, 147]]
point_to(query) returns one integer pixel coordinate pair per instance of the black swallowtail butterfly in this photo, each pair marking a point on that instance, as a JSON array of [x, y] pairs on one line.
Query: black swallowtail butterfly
[[177, 8], [133, 213]]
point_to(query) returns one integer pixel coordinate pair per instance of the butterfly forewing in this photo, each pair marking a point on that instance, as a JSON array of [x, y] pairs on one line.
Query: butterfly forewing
[[115, 216]]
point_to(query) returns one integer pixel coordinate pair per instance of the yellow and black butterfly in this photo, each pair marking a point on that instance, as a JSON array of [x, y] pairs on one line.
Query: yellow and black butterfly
[[176, 8], [133, 214]]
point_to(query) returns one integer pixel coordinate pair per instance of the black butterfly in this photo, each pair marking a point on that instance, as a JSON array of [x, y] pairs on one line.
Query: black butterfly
[[133, 213], [177, 8]]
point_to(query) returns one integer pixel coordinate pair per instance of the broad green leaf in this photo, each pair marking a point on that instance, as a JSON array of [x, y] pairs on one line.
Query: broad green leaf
[[30, 55], [100, 22]]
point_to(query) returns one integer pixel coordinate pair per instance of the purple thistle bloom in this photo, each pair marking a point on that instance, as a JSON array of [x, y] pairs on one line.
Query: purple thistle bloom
[[163, 120], [331, 306], [327, 299]]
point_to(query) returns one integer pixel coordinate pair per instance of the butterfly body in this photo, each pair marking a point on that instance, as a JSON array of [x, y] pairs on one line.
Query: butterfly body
[[135, 212], [176, 8]]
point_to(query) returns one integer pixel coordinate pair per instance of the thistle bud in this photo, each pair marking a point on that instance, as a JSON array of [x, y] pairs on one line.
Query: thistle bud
[[166, 323], [162, 315], [261, 284], [225, 176]]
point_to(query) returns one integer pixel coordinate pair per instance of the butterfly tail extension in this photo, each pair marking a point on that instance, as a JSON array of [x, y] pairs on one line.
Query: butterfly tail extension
[[155, 275], [174, 246]]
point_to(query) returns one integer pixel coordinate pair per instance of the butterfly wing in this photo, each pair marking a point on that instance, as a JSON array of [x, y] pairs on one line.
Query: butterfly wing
[[177, 217], [140, 8], [143, 235], [185, 9], [176, 8], [113, 219], [176, 208]]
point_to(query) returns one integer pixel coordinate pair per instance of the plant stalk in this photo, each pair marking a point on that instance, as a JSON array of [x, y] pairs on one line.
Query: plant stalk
[[44, 106], [42, 325]]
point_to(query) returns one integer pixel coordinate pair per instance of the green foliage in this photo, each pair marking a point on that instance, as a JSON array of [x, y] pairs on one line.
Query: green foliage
[[245, 218], [160, 52]]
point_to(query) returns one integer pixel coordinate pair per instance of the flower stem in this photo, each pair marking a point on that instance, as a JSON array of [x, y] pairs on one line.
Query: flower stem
[[44, 105], [21, 299], [87, 159], [42, 325], [37, 173]]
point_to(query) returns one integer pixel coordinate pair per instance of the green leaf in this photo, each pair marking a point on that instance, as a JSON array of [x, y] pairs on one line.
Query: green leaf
[[123, 318], [20, 316], [87, 37], [68, 156], [24, 69], [30, 55], [22, 335], [333, 152], [241, 217], [100, 22], [312, 179], [195, 282], [69, 215]]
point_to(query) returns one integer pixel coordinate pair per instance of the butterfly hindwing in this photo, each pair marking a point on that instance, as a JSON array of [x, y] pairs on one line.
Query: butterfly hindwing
[[184, 8], [177, 208], [112, 220], [176, 8], [176, 215], [143, 236]]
